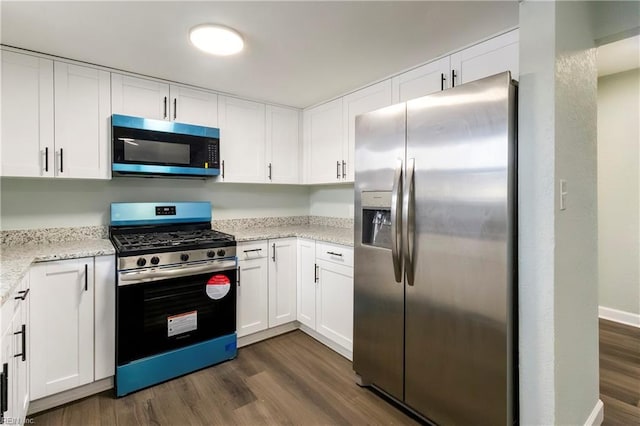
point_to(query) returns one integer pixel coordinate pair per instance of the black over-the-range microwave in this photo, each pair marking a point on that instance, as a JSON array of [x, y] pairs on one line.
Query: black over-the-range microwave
[[142, 146]]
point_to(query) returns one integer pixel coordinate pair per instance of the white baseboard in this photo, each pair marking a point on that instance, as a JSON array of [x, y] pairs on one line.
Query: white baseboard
[[267, 334], [71, 395], [328, 342], [623, 317], [597, 415]]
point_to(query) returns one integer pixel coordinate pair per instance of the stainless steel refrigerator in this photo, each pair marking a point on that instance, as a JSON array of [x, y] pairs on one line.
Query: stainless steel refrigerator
[[435, 253]]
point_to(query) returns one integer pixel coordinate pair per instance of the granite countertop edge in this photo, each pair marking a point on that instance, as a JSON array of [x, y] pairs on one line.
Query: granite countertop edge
[[15, 261]]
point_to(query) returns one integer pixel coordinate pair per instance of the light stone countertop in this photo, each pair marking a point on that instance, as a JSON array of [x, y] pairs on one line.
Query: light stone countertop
[[328, 234], [15, 260]]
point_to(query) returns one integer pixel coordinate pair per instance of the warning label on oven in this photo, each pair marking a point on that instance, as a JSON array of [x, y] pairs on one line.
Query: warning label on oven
[[218, 286], [182, 323]]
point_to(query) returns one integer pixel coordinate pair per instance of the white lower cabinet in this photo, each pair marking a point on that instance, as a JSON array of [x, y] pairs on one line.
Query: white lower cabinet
[[282, 281], [325, 290], [15, 355], [72, 340], [253, 292], [307, 278]]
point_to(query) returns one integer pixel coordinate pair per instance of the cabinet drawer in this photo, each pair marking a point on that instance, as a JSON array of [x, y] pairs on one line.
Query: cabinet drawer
[[335, 253], [252, 250], [13, 301]]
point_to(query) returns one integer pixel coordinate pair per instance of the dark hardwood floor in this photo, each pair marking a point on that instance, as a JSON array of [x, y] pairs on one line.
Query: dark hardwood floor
[[288, 380], [620, 373]]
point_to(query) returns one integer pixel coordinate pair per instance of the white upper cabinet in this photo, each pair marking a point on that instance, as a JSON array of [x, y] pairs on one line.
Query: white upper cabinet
[[193, 106], [82, 122], [27, 115], [360, 102], [487, 58], [323, 142], [242, 140], [282, 144], [424, 80], [139, 97]]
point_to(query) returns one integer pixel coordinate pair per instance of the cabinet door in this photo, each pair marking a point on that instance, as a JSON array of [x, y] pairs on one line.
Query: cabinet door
[[421, 81], [282, 281], [365, 100], [487, 58], [7, 365], [27, 115], [61, 332], [242, 140], [253, 299], [323, 138], [283, 139], [334, 305], [82, 122], [194, 106], [307, 282], [139, 97], [21, 325], [105, 317]]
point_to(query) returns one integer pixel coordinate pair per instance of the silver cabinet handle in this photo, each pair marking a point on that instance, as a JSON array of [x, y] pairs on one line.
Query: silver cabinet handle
[[165, 108], [396, 214], [315, 273], [332, 253], [273, 257], [408, 218], [270, 171], [249, 251], [222, 169], [175, 108], [337, 169], [344, 170]]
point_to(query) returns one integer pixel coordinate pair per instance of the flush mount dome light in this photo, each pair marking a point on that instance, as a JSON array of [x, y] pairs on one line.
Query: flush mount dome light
[[216, 39]]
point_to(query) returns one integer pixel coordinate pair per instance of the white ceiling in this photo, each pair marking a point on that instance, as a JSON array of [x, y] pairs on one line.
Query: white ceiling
[[619, 56], [297, 53]]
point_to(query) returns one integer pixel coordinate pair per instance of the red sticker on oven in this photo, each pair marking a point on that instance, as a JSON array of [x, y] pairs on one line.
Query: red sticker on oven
[[218, 286]]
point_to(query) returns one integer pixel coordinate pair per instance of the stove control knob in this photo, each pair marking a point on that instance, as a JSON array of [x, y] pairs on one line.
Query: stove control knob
[[155, 260], [221, 252], [184, 257], [141, 261], [211, 253]]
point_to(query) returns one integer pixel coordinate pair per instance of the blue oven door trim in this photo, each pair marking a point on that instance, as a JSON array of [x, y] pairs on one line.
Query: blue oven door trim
[[155, 369]]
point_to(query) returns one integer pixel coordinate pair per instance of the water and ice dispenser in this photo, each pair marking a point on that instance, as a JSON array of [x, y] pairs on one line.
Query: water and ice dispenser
[[376, 218]]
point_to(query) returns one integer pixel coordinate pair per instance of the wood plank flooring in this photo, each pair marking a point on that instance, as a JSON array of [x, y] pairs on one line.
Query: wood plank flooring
[[620, 373], [288, 380]]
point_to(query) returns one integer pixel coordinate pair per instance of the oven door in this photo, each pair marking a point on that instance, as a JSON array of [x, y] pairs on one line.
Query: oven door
[[168, 308]]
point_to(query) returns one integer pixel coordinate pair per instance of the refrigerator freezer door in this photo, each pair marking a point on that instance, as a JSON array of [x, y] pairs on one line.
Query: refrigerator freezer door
[[458, 362], [378, 335]]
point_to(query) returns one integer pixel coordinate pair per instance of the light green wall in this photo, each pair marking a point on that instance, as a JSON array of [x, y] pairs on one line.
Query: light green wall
[[619, 191]]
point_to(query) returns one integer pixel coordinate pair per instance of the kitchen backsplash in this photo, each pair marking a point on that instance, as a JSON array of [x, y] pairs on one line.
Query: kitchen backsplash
[[57, 235]]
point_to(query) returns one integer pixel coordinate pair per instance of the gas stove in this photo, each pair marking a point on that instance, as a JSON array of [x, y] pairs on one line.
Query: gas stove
[[165, 234]]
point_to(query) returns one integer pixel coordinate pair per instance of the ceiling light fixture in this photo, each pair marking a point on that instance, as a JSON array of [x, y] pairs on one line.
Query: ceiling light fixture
[[216, 39]]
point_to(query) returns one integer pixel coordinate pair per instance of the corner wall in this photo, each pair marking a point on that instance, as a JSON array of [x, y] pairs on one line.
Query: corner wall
[[619, 191]]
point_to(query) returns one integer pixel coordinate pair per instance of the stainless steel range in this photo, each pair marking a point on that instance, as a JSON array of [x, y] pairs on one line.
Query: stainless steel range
[[176, 292]]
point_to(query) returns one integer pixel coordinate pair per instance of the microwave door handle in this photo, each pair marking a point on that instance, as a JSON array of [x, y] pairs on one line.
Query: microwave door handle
[[396, 230]]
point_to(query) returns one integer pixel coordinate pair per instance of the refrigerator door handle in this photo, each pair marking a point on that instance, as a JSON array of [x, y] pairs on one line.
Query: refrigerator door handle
[[408, 220], [396, 232]]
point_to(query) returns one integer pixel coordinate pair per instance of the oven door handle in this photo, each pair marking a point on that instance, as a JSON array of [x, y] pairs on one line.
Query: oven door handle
[[125, 278]]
